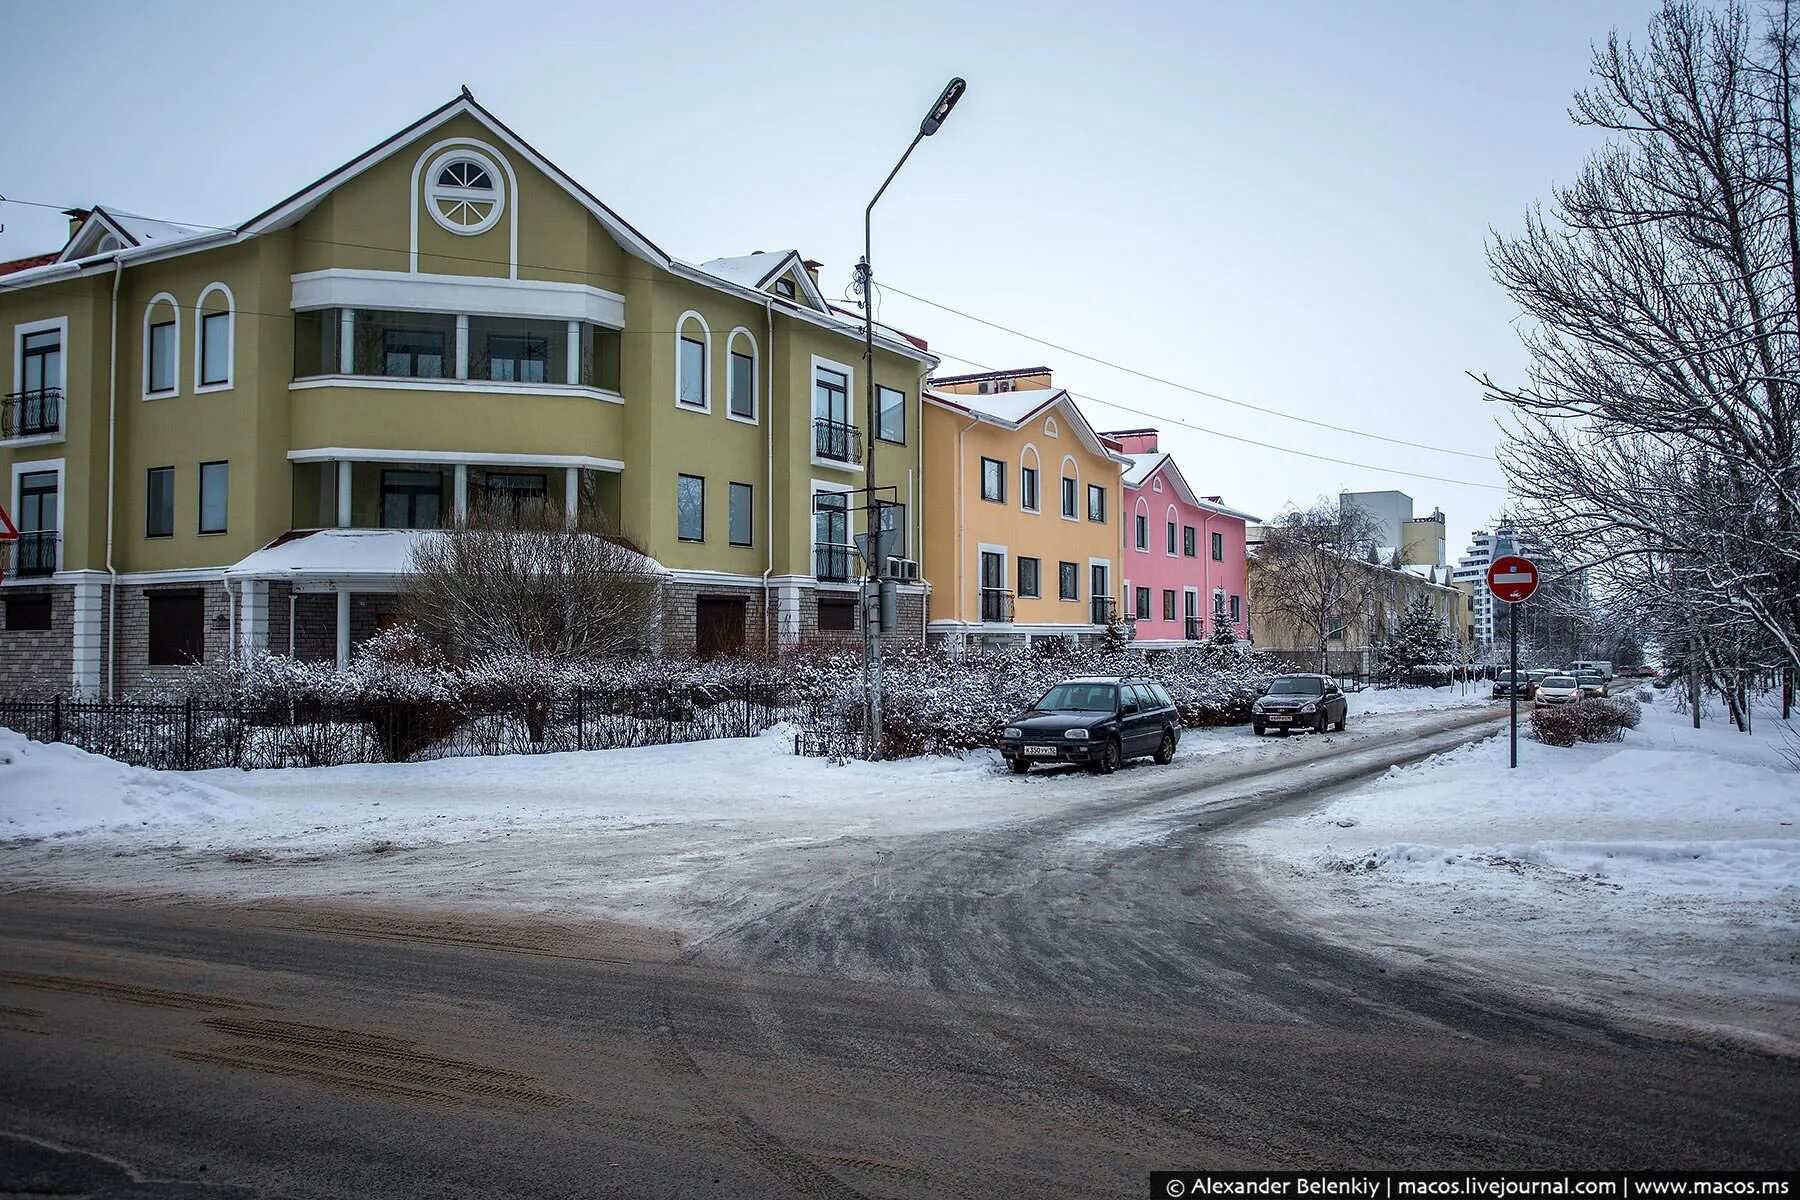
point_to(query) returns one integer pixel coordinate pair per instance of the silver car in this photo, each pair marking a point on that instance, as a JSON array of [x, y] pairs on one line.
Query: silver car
[[1558, 689]]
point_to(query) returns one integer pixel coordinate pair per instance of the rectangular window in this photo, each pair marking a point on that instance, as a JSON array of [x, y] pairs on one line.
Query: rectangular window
[[412, 499], [738, 519], [215, 349], [1171, 537], [40, 360], [1143, 531], [1096, 503], [521, 349], [891, 520], [411, 345], [1168, 604], [993, 480], [1068, 498], [690, 374], [177, 632], [834, 434], [28, 613], [161, 349], [515, 360], [831, 536], [893, 414], [514, 498], [837, 614], [1237, 609], [1218, 547], [1143, 603], [742, 401], [159, 503], [1028, 489], [1028, 577], [690, 508], [1188, 541], [414, 354], [1068, 581], [214, 496]]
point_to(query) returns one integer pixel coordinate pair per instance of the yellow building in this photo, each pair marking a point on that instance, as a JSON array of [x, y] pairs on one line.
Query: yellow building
[[1022, 536], [228, 439]]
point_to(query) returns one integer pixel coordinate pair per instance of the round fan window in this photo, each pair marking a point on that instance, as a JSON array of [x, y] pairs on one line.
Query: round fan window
[[463, 192]]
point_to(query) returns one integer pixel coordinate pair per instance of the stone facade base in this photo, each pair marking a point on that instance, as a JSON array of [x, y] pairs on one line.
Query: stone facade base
[[721, 618], [34, 662]]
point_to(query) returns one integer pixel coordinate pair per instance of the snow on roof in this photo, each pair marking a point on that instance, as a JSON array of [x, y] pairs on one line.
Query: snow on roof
[[749, 270], [1011, 407], [339, 554], [146, 229], [1142, 465]]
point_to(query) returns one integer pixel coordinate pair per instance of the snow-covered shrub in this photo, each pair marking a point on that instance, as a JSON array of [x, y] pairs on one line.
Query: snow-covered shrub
[[1598, 720]]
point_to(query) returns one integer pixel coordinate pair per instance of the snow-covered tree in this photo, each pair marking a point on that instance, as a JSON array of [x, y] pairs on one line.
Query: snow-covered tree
[[1419, 638]]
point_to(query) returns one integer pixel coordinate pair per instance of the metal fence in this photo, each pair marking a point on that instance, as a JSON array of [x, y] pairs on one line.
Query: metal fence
[[196, 735]]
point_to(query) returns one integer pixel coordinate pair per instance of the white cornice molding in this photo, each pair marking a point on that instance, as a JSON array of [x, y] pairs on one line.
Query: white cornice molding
[[475, 295], [454, 458]]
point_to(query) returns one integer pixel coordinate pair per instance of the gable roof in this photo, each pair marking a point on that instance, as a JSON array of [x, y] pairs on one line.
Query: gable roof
[[1145, 465], [296, 206], [1011, 410], [132, 232], [760, 270]]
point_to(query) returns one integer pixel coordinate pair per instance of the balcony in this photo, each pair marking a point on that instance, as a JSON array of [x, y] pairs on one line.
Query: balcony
[[31, 414], [1104, 610], [34, 554], [1193, 629], [838, 441], [832, 562], [996, 606]]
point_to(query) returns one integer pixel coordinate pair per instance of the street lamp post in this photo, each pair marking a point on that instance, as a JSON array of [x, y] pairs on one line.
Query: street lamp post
[[865, 274]]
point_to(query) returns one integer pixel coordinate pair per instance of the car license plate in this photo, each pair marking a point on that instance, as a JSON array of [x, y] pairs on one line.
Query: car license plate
[[1040, 751], [1273, 720]]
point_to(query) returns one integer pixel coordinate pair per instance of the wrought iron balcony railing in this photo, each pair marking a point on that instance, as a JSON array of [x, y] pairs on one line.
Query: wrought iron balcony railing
[[996, 606], [1105, 610], [837, 440], [832, 562], [1193, 629], [29, 414], [34, 553]]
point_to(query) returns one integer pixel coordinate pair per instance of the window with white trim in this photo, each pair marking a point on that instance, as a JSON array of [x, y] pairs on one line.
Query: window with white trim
[[740, 400], [892, 424], [463, 193], [690, 365]]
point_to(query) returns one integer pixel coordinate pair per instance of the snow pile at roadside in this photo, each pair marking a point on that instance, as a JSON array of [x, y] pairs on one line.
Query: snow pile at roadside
[[1662, 873], [58, 790], [1416, 699]]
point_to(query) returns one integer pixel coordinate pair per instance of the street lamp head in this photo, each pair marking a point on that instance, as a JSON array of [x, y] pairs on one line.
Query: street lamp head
[[941, 110]]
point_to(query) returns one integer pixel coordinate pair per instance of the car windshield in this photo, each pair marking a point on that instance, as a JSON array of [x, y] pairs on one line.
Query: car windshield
[[1080, 697], [1297, 686], [1560, 681]]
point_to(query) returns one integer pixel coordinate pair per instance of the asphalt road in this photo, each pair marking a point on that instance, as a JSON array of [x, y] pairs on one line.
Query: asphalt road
[[1049, 1009]]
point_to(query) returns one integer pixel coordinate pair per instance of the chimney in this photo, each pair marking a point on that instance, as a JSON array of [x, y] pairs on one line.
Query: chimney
[[1134, 441], [76, 217], [812, 266]]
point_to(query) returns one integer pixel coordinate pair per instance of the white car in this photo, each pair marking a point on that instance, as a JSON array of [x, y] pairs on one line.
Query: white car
[[1558, 689]]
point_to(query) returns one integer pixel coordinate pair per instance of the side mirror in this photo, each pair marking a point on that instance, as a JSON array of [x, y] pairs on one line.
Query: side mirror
[[1128, 707]]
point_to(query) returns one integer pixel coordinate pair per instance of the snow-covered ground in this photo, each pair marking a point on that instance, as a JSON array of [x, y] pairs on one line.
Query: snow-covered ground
[[658, 834], [1660, 875]]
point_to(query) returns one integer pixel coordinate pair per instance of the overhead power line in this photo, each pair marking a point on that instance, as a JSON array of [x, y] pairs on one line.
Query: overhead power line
[[1177, 384]]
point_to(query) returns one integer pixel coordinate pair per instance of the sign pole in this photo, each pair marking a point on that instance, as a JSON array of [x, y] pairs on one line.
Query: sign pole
[[1512, 615]]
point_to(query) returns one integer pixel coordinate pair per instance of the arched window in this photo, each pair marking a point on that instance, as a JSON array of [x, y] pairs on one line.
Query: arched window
[[741, 380], [1071, 489], [215, 338], [693, 362], [162, 347], [463, 192], [1172, 532], [1140, 525], [1028, 479]]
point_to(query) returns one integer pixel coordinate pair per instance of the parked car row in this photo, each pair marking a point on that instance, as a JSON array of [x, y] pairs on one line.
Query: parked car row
[[1547, 685], [1101, 721]]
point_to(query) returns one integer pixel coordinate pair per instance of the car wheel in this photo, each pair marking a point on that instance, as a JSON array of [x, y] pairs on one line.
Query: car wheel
[[1019, 765], [1345, 719], [1321, 724], [1165, 749], [1110, 756], [1257, 729]]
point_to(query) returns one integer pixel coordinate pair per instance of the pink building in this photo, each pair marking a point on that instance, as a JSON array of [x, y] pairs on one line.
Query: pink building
[[1183, 558]]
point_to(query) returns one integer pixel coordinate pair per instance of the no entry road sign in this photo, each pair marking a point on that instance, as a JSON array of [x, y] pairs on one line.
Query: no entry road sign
[[1512, 578]]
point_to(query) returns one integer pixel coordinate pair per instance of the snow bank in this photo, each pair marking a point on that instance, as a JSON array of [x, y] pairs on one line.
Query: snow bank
[[58, 791], [1665, 868], [1418, 699]]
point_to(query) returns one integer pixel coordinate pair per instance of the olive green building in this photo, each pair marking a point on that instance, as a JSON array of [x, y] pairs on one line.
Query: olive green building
[[230, 438]]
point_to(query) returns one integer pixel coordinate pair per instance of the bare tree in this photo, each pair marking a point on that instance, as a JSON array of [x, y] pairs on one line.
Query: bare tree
[[516, 580], [1313, 572], [1657, 443]]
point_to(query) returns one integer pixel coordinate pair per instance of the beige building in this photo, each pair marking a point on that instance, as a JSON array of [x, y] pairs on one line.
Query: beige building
[[229, 438]]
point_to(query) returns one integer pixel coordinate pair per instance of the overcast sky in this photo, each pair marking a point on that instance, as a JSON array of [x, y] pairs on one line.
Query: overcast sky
[[1284, 204]]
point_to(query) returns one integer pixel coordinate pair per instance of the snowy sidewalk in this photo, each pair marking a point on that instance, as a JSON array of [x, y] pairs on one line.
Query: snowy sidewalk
[[1659, 876]]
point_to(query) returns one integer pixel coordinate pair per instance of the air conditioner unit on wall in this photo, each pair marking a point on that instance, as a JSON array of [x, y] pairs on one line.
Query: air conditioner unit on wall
[[905, 570]]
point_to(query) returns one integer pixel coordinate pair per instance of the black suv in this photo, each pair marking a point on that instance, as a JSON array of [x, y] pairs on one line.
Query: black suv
[[1098, 720], [1300, 702]]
